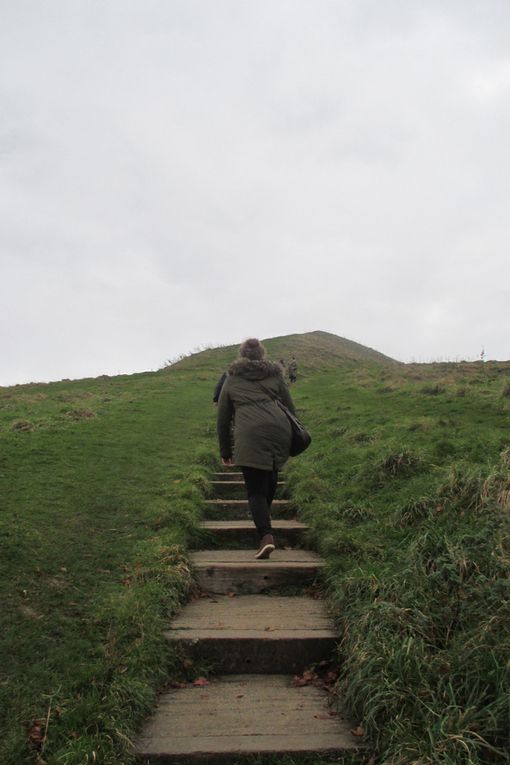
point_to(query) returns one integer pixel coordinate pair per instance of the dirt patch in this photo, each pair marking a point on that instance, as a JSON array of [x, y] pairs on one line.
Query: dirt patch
[[30, 613], [80, 414], [22, 426]]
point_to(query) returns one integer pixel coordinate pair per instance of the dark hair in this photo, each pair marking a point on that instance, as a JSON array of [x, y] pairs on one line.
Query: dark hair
[[252, 349]]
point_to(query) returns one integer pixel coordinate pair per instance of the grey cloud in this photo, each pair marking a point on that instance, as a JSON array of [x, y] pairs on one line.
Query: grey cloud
[[168, 166]]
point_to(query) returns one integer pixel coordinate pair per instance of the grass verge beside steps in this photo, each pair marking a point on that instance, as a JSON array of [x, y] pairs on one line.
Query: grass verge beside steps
[[407, 489], [99, 498]]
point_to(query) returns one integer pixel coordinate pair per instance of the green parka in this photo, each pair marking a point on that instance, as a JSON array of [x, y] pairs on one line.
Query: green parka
[[262, 432]]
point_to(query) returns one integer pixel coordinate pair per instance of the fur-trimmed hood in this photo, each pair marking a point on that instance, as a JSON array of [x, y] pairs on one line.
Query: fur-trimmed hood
[[255, 370]]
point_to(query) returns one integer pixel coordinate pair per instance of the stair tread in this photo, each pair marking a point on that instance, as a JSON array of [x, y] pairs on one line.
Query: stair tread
[[248, 525], [238, 483], [240, 502], [244, 714], [255, 613], [261, 634], [246, 558]]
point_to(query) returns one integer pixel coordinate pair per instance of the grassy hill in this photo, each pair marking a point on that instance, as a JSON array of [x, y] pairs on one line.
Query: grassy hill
[[314, 350], [407, 489]]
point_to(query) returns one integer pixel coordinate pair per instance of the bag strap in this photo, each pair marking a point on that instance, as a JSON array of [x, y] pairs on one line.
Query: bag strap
[[269, 393]]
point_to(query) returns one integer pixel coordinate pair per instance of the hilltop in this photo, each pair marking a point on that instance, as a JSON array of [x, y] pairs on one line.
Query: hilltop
[[313, 350]]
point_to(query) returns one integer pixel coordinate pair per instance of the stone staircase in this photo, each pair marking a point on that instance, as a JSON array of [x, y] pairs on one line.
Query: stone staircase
[[256, 639]]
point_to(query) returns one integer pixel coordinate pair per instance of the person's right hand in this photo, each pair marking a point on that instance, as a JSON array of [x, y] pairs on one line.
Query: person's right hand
[[227, 463]]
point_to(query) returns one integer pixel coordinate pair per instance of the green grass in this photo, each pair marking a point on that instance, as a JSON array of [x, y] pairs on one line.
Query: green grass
[[100, 491], [406, 487]]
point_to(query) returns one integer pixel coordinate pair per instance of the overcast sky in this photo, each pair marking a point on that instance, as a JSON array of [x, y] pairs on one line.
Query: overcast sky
[[175, 173]]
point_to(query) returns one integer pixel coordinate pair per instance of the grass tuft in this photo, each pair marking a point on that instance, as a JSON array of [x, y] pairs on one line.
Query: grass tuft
[[506, 390], [390, 465], [433, 390]]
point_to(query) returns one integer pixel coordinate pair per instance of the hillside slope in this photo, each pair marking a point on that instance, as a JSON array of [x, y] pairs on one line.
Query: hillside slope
[[406, 488]]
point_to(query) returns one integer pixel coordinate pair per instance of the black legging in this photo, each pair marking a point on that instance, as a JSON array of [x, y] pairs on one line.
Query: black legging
[[261, 488]]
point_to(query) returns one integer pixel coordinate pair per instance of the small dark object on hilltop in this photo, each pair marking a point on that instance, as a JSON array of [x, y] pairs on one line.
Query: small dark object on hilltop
[[292, 370], [218, 387]]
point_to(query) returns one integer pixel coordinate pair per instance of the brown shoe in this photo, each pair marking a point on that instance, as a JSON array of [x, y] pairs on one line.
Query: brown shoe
[[267, 546]]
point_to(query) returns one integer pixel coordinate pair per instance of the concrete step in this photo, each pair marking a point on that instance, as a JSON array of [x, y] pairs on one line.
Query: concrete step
[[233, 489], [224, 571], [243, 533], [238, 716], [255, 633], [238, 509]]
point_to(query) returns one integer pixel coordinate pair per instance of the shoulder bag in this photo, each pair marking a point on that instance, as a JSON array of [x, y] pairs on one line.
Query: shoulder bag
[[301, 438]]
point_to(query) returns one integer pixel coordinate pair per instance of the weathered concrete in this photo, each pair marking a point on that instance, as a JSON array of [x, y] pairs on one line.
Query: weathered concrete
[[243, 715], [242, 533], [238, 509], [224, 571], [255, 633]]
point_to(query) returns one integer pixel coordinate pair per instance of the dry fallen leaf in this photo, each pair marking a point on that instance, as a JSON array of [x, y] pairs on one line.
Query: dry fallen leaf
[[308, 676], [231, 594], [200, 681], [35, 733], [358, 731]]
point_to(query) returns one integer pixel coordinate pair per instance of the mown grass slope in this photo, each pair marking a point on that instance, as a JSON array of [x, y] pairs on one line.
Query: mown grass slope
[[406, 487]]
